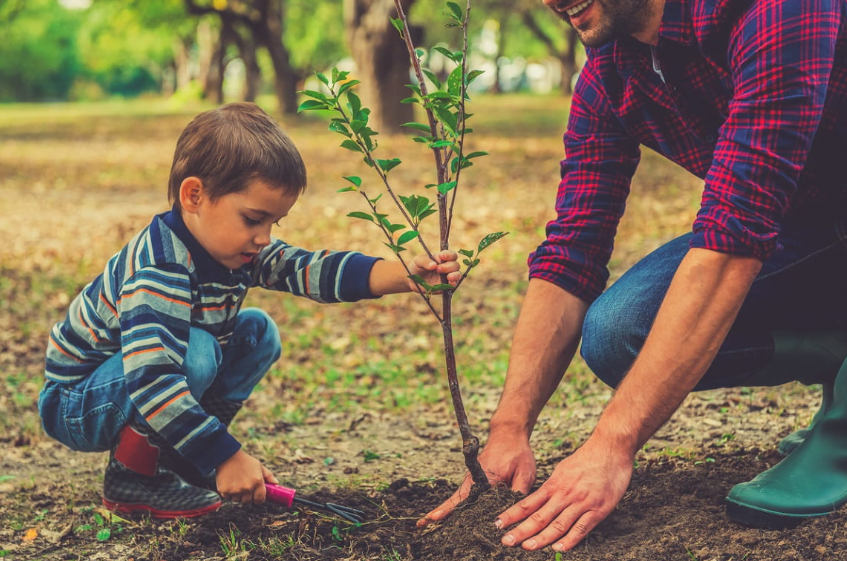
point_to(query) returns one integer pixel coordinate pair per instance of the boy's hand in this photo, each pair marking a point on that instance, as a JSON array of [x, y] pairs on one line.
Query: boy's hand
[[242, 478], [431, 271]]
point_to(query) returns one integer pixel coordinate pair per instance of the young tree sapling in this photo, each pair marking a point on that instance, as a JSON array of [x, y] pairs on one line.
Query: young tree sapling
[[444, 134]]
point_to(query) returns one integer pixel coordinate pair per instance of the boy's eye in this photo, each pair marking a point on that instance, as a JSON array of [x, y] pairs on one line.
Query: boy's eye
[[251, 222]]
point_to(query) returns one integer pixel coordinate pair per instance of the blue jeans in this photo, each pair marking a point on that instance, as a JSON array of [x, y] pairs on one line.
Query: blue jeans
[[89, 415], [803, 286]]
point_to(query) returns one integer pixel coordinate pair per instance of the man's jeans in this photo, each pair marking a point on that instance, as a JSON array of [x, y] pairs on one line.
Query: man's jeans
[[89, 415], [802, 287]]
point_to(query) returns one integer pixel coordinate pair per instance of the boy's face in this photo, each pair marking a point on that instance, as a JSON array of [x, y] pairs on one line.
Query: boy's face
[[235, 227]]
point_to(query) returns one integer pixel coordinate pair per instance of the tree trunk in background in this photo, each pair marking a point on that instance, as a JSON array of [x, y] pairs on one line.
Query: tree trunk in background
[[252, 72], [566, 55], [382, 62], [268, 32], [182, 70], [568, 61]]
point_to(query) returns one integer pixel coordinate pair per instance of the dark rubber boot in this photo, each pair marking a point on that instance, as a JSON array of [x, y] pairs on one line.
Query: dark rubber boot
[[135, 481], [793, 440], [225, 411], [810, 482]]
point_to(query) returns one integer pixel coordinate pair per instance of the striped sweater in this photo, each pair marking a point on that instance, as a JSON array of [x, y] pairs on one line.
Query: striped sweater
[[157, 287]]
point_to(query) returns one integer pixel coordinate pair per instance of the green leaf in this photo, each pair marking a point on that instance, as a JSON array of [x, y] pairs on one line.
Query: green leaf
[[490, 239], [99, 519], [417, 126], [445, 188], [455, 57], [406, 237], [475, 155], [474, 74], [432, 78], [388, 165], [347, 85], [316, 95], [422, 139], [454, 81], [394, 227], [466, 252], [104, 534], [456, 11], [375, 199], [421, 282], [398, 25], [358, 124], [312, 105], [351, 145], [410, 100], [443, 144], [340, 128], [323, 78], [394, 248], [357, 181], [346, 189], [362, 215], [442, 287], [354, 103]]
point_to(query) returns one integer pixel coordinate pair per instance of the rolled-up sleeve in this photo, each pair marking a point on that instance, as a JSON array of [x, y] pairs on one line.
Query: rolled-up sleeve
[[781, 55], [600, 159]]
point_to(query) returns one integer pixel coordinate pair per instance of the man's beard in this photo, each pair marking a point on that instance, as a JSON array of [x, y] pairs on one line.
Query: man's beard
[[619, 19]]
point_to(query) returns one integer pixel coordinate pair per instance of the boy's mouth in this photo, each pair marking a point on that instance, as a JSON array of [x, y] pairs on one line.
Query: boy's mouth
[[247, 257]]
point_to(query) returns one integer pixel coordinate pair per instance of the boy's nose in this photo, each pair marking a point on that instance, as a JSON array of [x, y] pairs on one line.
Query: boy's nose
[[262, 239]]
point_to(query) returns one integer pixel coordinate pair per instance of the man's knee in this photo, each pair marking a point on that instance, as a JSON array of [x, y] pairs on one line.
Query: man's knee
[[612, 336]]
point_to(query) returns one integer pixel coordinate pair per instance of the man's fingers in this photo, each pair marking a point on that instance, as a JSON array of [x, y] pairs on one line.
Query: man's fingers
[[523, 508], [578, 531]]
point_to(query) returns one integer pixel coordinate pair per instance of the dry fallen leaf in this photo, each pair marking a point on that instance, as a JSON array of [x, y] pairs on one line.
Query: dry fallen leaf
[[30, 535]]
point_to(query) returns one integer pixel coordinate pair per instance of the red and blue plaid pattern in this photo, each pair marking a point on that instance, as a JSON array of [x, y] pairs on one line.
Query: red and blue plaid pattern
[[754, 103]]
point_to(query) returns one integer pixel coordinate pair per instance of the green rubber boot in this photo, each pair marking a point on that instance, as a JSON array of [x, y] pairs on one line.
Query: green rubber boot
[[811, 481], [809, 357], [793, 440]]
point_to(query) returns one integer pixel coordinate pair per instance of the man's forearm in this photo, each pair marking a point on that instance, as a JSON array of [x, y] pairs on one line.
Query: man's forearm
[[546, 338], [701, 304]]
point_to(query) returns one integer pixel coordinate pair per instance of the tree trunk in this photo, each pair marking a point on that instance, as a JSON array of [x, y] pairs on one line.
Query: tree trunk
[[182, 69], [252, 72], [268, 32], [568, 61], [382, 62]]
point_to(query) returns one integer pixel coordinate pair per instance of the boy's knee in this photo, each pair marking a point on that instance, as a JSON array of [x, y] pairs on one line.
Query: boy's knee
[[256, 324], [202, 360], [612, 336]]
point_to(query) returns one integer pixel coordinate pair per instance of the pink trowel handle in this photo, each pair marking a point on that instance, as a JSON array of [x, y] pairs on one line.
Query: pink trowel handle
[[279, 494]]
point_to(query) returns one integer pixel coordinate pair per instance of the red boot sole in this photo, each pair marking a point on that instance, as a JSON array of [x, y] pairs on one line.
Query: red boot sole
[[156, 513]]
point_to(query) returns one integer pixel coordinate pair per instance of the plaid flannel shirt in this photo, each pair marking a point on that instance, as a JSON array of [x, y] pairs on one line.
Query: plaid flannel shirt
[[754, 101]]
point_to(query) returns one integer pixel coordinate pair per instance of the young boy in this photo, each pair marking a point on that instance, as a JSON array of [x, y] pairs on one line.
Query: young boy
[[156, 356]]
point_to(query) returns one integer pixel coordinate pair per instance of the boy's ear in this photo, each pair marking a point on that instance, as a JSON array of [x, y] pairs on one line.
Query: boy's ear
[[190, 194]]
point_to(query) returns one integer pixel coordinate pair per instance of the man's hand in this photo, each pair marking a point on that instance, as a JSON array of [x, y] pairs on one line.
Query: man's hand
[[506, 459], [242, 478], [431, 271], [583, 489]]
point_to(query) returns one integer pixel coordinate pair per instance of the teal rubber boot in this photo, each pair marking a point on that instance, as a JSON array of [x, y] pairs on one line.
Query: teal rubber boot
[[793, 440], [810, 482], [810, 357]]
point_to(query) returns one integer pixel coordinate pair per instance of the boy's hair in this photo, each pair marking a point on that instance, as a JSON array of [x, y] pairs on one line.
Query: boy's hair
[[231, 146]]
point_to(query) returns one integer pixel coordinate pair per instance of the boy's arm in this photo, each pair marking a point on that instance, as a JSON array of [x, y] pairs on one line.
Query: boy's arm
[[154, 308]]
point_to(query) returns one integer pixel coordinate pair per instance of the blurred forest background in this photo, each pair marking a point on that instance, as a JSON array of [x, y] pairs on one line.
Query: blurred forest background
[[229, 50]]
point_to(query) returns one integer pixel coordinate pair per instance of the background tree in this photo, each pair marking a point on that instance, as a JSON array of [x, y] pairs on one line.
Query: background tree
[[382, 62]]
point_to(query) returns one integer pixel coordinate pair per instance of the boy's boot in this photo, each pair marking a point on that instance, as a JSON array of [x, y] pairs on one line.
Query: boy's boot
[[811, 481], [812, 357], [216, 406], [135, 481]]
